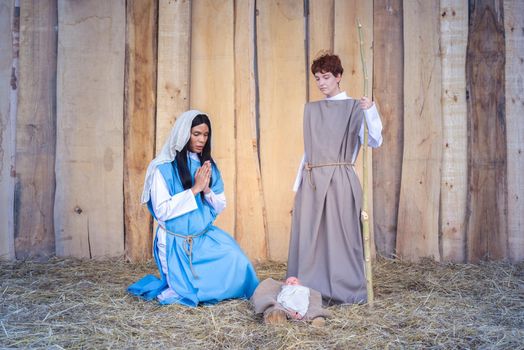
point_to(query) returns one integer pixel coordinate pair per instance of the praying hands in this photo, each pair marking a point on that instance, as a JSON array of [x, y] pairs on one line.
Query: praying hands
[[202, 178]]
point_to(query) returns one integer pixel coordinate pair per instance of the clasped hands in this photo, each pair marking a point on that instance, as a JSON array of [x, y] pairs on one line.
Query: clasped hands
[[202, 178]]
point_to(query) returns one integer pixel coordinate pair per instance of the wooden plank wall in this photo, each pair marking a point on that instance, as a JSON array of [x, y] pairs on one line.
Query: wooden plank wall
[[88, 210], [250, 219], [485, 70], [173, 65], [7, 128], [139, 122], [388, 86], [213, 88], [447, 182], [514, 34], [453, 40], [35, 130], [282, 93], [418, 218]]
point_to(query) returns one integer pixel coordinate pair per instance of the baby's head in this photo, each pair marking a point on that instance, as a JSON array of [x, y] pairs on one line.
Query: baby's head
[[292, 281]]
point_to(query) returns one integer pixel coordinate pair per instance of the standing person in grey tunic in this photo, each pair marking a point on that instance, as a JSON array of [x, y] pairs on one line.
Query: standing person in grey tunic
[[326, 251]]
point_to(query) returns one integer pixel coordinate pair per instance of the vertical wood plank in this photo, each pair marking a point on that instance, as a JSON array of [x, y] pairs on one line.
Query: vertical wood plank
[[89, 164], [213, 88], [250, 214], [514, 33], [35, 131], [8, 37], [346, 43], [321, 18], [282, 86], [173, 66], [453, 42], [347, 46], [388, 86], [421, 166], [487, 197], [174, 31], [139, 122]]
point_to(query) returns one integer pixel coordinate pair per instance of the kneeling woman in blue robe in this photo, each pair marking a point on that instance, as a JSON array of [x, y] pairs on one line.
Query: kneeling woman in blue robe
[[198, 262]]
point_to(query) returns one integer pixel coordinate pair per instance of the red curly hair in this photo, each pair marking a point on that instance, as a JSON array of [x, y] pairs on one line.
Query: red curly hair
[[327, 63]]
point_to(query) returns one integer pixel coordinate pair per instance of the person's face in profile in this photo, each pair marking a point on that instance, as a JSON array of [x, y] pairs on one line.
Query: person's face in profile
[[198, 139]]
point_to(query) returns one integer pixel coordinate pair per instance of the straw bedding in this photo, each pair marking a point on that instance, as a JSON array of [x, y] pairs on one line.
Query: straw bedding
[[66, 303]]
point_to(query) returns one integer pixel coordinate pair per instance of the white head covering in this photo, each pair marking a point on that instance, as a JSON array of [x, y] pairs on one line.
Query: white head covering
[[295, 298], [180, 134]]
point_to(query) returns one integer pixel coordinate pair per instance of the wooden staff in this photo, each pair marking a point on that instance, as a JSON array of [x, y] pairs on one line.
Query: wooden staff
[[364, 217]]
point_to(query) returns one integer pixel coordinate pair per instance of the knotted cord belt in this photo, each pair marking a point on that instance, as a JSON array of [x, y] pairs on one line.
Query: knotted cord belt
[[188, 240], [309, 167]]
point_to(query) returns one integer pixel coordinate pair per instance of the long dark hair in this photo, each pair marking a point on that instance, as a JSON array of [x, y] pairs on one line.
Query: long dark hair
[[181, 156]]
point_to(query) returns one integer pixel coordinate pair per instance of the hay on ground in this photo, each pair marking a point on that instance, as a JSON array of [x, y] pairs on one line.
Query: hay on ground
[[66, 303]]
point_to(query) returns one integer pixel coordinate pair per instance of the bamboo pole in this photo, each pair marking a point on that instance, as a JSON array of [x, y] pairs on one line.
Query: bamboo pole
[[364, 217]]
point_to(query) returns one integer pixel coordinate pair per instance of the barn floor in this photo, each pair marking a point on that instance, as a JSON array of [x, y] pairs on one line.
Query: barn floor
[[77, 304]]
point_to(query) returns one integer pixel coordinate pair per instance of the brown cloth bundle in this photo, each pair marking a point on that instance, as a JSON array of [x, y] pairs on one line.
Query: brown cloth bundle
[[264, 301]]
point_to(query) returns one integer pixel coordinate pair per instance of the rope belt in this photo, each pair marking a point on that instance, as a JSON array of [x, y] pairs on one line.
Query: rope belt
[[188, 240], [309, 167]]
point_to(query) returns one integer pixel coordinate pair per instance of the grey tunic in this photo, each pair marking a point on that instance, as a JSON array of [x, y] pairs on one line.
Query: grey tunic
[[325, 250]]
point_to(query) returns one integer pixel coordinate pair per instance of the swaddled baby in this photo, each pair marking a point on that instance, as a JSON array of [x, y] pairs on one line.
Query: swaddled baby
[[294, 298], [278, 301]]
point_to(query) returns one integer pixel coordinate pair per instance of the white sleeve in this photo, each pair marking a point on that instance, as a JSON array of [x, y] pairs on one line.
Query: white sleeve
[[298, 179], [166, 206], [217, 201], [374, 127]]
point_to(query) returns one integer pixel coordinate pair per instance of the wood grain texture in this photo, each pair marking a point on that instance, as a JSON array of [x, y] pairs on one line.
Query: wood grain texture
[[487, 237], [213, 89], [250, 218], [453, 188], [88, 210], [417, 234], [139, 123], [282, 91], [174, 32], [514, 34], [7, 129], [36, 130], [321, 19], [388, 93], [347, 46]]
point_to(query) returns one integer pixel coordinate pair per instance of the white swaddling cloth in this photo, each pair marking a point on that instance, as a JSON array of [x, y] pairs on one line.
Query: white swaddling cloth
[[295, 298]]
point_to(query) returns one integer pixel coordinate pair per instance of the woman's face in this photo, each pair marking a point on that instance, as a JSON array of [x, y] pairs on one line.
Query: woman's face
[[198, 139], [328, 83]]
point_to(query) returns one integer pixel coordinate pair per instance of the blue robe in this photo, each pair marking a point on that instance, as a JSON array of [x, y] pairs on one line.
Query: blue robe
[[222, 270]]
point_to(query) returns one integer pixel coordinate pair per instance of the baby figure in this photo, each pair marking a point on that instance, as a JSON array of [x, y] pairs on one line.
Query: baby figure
[[294, 297], [278, 301]]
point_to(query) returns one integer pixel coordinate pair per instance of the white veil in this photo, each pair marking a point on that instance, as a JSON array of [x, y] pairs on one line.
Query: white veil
[[178, 138]]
